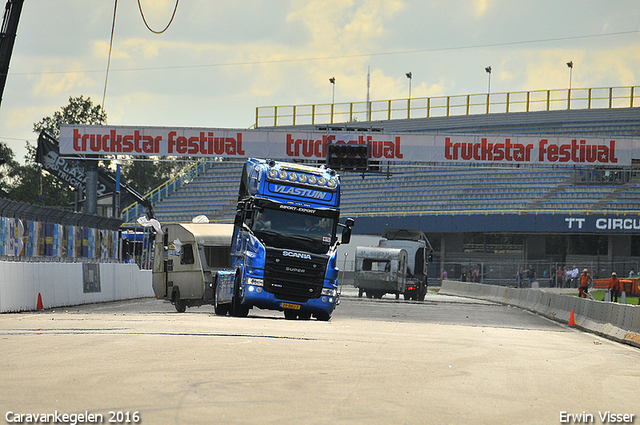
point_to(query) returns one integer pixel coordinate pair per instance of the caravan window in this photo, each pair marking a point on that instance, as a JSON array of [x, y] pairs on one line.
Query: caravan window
[[187, 254], [369, 264], [218, 256]]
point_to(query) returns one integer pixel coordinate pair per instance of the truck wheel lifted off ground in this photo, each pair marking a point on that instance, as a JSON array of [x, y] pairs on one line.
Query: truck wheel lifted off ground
[[219, 309]]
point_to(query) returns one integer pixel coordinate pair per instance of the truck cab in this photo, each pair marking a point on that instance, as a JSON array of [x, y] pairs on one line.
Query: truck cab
[[285, 239]]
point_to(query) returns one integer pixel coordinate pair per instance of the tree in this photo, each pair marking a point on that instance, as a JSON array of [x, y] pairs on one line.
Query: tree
[[27, 183], [144, 174], [78, 111], [6, 164]]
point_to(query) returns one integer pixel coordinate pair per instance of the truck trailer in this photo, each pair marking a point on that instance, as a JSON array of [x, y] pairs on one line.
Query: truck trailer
[[398, 265], [380, 271], [189, 261], [285, 237]]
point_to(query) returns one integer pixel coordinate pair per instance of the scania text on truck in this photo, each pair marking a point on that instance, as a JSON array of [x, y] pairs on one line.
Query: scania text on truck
[[284, 241]]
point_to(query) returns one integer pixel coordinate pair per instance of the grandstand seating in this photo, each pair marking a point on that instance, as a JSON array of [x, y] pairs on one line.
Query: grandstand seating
[[418, 189], [434, 189]]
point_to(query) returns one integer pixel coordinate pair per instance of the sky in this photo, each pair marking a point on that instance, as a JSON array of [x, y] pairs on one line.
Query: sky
[[220, 59]]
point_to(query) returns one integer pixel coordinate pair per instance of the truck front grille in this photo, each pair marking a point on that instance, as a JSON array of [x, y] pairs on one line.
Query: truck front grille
[[294, 278]]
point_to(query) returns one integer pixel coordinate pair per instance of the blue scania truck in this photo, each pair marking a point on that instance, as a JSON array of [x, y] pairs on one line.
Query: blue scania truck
[[285, 236]]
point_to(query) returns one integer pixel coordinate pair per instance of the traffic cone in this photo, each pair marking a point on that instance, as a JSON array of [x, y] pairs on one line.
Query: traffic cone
[[39, 306], [572, 322]]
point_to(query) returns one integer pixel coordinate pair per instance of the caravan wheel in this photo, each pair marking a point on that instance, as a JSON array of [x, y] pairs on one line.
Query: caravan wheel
[[180, 304]]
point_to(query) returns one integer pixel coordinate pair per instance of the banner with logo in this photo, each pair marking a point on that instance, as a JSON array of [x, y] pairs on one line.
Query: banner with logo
[[288, 145], [72, 171]]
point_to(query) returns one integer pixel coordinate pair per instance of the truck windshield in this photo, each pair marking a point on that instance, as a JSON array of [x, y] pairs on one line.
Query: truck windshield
[[293, 230]]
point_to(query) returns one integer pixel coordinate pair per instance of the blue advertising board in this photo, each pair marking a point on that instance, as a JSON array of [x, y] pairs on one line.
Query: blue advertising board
[[506, 222]]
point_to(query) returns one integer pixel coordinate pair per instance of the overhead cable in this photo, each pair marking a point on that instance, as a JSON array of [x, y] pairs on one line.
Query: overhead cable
[[165, 28], [113, 27]]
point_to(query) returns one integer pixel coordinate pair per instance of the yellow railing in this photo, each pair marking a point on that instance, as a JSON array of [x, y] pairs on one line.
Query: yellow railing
[[131, 213], [470, 104]]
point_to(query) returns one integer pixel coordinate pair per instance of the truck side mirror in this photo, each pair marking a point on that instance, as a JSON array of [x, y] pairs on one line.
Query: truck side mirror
[[346, 235], [346, 230], [238, 220]]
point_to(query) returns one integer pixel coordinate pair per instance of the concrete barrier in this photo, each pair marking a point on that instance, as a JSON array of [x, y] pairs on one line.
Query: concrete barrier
[[63, 284], [616, 321]]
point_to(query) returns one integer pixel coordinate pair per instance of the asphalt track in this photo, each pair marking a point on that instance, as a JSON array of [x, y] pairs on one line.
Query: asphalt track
[[447, 360]]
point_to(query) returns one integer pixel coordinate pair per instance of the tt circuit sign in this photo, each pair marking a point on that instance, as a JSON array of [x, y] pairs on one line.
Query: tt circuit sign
[[240, 143], [613, 224], [599, 224]]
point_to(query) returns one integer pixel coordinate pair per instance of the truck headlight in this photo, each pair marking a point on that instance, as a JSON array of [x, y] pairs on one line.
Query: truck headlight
[[328, 291], [255, 281]]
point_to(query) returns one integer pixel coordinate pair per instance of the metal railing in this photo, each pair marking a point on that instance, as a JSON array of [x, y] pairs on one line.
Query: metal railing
[[444, 106], [132, 212], [496, 211]]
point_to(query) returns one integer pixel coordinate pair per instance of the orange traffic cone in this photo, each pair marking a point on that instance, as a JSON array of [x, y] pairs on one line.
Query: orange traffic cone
[[572, 322], [39, 306]]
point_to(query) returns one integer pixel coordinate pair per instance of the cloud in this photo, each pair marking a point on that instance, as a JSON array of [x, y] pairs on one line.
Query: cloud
[[480, 7], [55, 84]]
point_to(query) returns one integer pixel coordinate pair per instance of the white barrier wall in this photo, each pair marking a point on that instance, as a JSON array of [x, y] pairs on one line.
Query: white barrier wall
[[613, 320], [62, 284]]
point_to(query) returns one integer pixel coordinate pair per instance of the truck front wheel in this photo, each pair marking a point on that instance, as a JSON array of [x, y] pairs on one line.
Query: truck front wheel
[[237, 309], [290, 314], [219, 309], [322, 316]]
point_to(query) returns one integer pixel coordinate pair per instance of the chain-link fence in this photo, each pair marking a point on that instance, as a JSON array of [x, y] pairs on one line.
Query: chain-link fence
[[511, 272], [545, 273]]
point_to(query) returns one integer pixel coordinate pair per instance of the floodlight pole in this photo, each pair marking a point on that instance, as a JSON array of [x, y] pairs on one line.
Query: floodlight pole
[[488, 70], [570, 65], [332, 80], [409, 76]]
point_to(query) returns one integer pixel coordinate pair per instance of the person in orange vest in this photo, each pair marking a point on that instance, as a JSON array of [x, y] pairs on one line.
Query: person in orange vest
[[585, 280], [614, 287]]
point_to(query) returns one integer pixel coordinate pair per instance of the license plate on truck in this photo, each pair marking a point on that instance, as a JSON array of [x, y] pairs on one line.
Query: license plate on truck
[[290, 306]]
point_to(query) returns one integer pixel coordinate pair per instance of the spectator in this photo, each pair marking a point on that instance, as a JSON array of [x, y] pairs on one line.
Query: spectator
[[445, 275], [631, 273], [531, 275], [614, 287], [559, 276], [520, 277], [463, 277], [585, 281], [567, 277], [575, 273], [476, 274]]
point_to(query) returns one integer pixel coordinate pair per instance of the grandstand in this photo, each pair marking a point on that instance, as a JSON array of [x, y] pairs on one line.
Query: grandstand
[[450, 201], [401, 188]]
